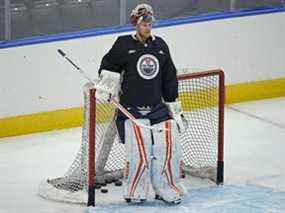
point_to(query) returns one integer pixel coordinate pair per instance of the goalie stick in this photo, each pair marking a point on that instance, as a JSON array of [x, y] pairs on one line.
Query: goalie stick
[[113, 101]]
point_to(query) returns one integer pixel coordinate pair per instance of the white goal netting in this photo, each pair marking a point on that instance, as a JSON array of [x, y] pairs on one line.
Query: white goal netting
[[202, 100]]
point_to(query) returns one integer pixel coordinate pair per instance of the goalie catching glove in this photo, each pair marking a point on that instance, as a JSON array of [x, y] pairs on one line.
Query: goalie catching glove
[[175, 111], [108, 85]]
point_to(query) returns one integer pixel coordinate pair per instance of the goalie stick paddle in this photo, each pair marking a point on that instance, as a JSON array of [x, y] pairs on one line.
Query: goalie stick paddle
[[117, 104]]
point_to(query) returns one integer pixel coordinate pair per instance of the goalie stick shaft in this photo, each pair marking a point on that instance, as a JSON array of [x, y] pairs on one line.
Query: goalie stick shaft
[[117, 104], [132, 118], [74, 65]]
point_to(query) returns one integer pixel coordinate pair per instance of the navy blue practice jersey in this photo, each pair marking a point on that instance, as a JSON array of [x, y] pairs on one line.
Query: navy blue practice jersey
[[149, 75]]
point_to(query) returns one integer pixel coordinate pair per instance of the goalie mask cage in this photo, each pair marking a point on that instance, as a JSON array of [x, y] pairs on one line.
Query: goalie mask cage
[[101, 157]]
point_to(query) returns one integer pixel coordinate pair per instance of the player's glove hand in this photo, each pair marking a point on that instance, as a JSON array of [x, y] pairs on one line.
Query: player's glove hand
[[175, 111], [108, 85]]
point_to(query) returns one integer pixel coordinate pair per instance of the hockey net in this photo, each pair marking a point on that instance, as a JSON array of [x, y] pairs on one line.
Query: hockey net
[[202, 97]]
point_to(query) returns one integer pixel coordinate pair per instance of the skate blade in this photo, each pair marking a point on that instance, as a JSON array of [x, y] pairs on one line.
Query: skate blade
[[174, 202]]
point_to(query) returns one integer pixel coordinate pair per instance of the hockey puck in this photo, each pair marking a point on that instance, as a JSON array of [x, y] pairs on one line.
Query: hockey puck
[[128, 200], [103, 184], [109, 181], [118, 183], [97, 186], [104, 190]]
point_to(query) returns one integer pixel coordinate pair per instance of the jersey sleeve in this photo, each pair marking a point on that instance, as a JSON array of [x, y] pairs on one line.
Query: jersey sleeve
[[113, 60], [169, 78]]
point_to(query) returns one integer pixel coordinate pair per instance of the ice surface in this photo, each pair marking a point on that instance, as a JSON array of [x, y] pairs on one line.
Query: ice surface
[[254, 168]]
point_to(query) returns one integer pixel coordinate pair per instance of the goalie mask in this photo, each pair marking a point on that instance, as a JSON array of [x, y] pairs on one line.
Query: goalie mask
[[142, 12]]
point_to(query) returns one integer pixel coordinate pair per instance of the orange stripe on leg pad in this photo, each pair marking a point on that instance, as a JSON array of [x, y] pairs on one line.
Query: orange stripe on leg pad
[[142, 160], [169, 144]]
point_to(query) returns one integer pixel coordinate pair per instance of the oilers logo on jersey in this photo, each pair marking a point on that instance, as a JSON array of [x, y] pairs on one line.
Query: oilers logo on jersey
[[148, 66]]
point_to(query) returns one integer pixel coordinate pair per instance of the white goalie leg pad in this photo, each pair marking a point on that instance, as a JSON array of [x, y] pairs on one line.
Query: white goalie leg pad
[[166, 169], [138, 149]]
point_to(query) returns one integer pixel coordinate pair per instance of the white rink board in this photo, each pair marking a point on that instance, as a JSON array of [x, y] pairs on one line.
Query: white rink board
[[35, 78]]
